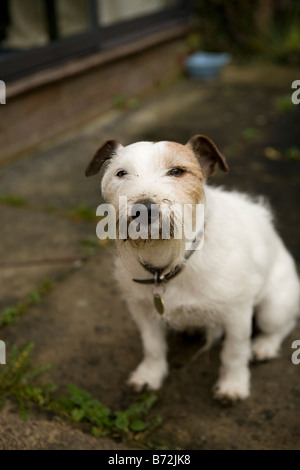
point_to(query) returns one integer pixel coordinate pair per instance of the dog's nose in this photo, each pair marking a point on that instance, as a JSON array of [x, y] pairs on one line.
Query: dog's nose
[[152, 209]]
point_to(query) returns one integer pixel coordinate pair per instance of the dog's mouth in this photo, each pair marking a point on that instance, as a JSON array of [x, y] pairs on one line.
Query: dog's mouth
[[146, 221]]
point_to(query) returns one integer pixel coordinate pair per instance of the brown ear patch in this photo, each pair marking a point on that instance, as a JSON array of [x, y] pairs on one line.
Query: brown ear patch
[[104, 153], [207, 154]]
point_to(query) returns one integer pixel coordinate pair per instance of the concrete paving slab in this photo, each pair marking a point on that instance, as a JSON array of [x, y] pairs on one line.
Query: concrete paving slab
[[36, 246], [82, 327], [40, 433], [84, 331]]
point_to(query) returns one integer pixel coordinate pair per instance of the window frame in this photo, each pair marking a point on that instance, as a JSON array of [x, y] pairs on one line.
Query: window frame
[[14, 66]]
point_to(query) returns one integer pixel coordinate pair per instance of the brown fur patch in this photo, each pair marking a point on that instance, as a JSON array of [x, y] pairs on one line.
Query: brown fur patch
[[188, 187]]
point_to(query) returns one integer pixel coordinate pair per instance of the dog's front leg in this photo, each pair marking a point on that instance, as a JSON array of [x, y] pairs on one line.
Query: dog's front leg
[[234, 380], [153, 369]]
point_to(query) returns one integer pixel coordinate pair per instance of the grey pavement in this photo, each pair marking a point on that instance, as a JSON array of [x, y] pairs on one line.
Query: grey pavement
[[82, 327]]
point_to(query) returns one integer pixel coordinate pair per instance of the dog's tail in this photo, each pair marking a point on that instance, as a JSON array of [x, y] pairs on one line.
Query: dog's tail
[[213, 335]]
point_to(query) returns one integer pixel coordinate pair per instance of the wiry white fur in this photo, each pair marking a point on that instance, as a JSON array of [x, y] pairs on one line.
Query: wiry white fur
[[243, 265]]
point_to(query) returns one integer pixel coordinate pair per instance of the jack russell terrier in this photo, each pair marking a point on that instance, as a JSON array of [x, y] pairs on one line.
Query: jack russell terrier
[[235, 265]]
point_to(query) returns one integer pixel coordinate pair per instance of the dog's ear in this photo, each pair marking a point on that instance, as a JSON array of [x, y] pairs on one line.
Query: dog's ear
[[104, 153], [207, 154]]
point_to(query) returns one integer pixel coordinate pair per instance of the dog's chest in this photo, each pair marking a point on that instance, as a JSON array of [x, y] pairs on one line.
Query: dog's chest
[[185, 317], [189, 299], [185, 308]]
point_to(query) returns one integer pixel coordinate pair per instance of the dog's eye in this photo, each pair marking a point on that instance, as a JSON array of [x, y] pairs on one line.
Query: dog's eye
[[176, 172], [121, 173]]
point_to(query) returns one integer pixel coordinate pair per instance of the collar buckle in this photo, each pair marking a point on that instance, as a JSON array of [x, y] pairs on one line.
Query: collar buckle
[[158, 278]]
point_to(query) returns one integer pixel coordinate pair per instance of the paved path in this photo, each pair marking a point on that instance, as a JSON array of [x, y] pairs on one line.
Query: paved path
[[81, 327]]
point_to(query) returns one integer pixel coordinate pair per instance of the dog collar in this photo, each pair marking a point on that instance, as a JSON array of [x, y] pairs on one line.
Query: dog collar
[[158, 276]]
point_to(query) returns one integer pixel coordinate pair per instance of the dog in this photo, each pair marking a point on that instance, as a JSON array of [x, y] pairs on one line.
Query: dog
[[242, 266]]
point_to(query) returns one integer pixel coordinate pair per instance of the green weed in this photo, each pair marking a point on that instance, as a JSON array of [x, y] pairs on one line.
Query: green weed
[[80, 406], [292, 153], [11, 315], [17, 377], [284, 104], [18, 380], [12, 200], [90, 244], [122, 101], [133, 103], [82, 212], [251, 133], [119, 100]]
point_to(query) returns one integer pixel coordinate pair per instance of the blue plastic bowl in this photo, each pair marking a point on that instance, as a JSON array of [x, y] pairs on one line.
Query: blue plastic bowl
[[206, 64]]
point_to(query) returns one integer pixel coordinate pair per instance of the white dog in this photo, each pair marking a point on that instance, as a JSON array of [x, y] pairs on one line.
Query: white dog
[[242, 266]]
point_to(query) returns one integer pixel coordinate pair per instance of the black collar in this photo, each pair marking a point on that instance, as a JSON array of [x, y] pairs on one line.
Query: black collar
[[158, 276]]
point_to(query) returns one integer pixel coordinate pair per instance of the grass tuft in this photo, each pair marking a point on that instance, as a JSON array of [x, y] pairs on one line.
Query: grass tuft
[[19, 381], [12, 200], [11, 315]]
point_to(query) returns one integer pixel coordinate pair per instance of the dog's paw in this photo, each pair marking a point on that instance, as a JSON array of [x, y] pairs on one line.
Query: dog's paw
[[230, 389], [264, 348], [149, 375]]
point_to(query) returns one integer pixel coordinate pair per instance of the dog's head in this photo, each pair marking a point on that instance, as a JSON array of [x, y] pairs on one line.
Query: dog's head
[[156, 176]]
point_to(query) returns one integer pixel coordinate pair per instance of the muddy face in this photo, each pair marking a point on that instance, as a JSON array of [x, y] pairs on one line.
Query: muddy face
[[150, 183]]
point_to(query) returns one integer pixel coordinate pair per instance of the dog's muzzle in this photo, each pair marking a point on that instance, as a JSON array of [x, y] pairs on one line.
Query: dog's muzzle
[[146, 210]]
